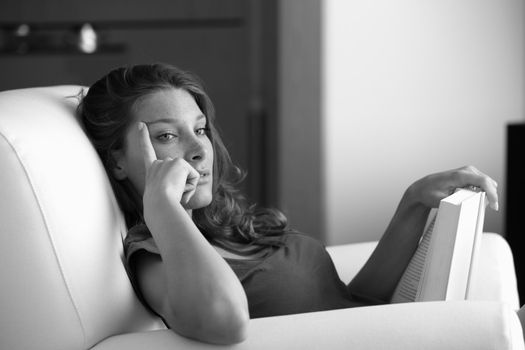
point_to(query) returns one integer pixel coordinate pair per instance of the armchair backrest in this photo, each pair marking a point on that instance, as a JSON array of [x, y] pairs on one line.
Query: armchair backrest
[[63, 283]]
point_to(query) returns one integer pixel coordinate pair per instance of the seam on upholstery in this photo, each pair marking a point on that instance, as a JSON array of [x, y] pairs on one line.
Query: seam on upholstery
[[514, 341], [50, 237], [507, 327]]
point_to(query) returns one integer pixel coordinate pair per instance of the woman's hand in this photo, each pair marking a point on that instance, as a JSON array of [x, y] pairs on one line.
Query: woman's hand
[[433, 188], [166, 179]]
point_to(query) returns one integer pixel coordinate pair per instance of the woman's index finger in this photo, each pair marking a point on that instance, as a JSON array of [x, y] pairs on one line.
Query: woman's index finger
[[145, 144]]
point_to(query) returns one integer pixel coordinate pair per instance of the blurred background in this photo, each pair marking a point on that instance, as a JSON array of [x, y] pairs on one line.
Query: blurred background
[[333, 107]]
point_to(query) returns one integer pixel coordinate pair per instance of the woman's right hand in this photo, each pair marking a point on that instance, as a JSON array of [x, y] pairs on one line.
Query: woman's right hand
[[171, 180]]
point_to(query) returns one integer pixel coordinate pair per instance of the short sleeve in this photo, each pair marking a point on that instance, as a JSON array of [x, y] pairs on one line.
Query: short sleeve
[[139, 238]]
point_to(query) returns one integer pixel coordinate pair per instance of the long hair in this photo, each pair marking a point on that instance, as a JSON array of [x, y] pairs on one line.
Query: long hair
[[105, 112]]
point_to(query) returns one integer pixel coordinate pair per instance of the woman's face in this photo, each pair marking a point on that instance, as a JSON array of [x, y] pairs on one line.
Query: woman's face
[[178, 129]]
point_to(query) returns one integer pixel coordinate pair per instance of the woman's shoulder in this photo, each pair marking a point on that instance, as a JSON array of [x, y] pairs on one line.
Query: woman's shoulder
[[299, 238]]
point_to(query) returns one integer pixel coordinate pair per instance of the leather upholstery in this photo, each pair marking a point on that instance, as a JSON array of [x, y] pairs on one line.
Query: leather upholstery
[[62, 275]]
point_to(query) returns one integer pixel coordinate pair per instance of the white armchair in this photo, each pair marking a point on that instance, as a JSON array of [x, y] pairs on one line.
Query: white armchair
[[63, 283]]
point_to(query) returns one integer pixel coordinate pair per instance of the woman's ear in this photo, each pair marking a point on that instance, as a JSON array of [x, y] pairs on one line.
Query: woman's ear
[[119, 169]]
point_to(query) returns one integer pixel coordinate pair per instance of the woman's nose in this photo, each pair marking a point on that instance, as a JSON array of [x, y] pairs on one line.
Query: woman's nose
[[196, 150]]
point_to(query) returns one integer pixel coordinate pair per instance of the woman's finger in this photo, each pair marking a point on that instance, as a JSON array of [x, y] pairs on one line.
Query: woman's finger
[[193, 177], [192, 181], [148, 151], [470, 176]]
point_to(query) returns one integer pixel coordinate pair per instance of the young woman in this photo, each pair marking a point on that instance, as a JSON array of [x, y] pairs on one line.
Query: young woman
[[199, 255]]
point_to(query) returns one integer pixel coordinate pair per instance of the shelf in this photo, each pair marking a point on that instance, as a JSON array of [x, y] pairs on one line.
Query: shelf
[[130, 24], [58, 38], [65, 50]]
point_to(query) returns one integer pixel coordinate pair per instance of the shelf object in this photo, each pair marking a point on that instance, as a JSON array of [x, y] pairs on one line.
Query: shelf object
[[88, 38], [26, 39]]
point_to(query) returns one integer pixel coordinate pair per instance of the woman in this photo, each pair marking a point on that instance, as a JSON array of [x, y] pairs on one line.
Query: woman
[[198, 255]]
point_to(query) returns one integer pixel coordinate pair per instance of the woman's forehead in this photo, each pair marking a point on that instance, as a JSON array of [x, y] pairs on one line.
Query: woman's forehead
[[167, 105]]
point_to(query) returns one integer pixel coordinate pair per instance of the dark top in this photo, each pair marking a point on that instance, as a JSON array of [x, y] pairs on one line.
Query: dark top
[[295, 276]]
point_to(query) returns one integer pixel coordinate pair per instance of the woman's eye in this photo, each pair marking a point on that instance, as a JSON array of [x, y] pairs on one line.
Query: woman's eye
[[166, 136], [201, 131]]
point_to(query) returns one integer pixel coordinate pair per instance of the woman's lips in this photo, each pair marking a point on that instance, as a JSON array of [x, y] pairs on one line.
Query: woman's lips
[[205, 177]]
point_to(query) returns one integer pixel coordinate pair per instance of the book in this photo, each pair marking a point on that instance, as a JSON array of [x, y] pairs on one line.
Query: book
[[441, 268]]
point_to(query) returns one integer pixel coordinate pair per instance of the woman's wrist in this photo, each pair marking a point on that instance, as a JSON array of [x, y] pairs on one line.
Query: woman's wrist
[[161, 208], [412, 197], [411, 206]]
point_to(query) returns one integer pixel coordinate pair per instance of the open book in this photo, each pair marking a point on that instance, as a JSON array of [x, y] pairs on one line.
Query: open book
[[443, 262]]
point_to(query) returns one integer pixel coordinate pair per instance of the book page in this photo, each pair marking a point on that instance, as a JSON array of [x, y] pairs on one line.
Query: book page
[[407, 288]]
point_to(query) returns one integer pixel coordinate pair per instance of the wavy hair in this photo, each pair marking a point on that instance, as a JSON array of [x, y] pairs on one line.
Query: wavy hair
[[105, 112]]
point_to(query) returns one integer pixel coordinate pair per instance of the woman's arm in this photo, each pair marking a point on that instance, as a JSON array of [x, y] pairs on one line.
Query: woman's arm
[[378, 278], [190, 286]]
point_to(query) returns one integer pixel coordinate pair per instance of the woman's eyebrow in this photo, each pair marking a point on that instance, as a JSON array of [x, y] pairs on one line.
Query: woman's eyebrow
[[158, 121], [198, 118]]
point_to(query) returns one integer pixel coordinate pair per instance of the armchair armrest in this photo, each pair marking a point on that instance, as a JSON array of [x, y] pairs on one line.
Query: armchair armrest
[[433, 325], [494, 277], [350, 258]]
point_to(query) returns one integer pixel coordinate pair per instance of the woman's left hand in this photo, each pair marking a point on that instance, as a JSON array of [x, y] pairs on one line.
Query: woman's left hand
[[433, 188]]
